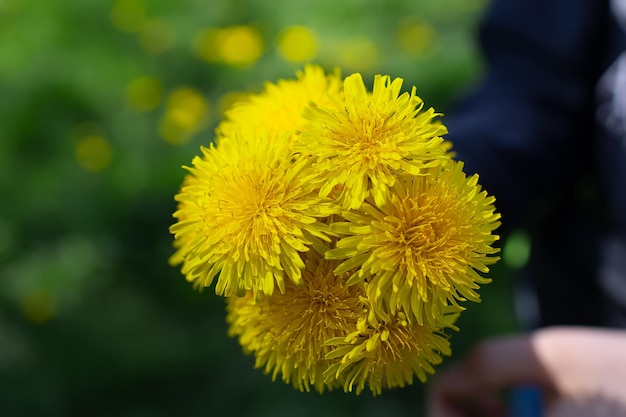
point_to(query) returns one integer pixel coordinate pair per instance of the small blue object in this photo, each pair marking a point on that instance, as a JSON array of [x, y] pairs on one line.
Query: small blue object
[[526, 401]]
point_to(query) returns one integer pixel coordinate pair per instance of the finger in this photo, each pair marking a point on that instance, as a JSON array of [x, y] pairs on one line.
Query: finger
[[439, 402], [453, 394], [505, 362], [472, 385], [584, 361], [483, 406]]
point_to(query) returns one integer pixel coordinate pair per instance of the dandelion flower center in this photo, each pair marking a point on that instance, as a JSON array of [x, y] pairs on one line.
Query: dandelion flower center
[[425, 232]]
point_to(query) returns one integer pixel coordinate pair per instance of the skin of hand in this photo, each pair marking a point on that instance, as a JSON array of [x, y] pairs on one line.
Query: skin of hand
[[581, 372]]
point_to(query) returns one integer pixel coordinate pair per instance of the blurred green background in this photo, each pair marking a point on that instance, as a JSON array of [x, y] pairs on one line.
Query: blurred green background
[[101, 102]]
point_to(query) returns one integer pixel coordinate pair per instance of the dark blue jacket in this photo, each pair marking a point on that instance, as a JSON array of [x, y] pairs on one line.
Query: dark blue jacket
[[546, 131]]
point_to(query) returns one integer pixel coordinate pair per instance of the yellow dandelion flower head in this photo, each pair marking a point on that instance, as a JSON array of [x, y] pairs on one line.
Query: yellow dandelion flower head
[[287, 333], [279, 107], [364, 140], [348, 201], [388, 354], [247, 212], [426, 247]]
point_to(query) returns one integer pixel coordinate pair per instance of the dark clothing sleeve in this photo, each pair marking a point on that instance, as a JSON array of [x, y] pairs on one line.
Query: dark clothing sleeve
[[526, 127]]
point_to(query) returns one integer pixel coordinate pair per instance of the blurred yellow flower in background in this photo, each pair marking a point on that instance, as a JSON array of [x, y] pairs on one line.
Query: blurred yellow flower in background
[[185, 114], [204, 44], [297, 44], [129, 15], [357, 53], [239, 45], [144, 92], [157, 36], [39, 307], [415, 37], [93, 153]]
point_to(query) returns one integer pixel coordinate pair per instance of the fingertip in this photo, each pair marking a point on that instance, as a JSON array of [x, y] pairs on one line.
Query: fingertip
[[506, 361]]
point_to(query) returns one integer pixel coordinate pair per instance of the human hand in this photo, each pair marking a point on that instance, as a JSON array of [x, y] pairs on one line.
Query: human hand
[[581, 372]]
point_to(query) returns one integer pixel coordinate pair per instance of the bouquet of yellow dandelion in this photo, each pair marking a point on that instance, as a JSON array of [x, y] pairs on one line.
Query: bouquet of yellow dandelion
[[340, 229]]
